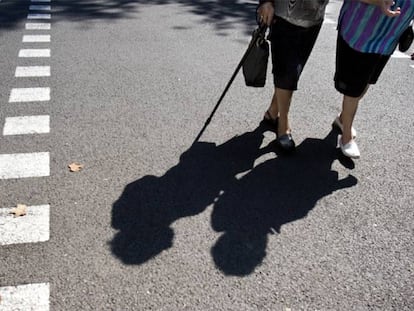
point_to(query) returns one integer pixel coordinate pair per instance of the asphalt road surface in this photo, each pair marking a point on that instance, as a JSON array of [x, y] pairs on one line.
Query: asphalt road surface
[[156, 221]]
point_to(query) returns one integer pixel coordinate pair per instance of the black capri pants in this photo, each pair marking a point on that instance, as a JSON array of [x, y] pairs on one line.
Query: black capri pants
[[291, 46], [356, 70]]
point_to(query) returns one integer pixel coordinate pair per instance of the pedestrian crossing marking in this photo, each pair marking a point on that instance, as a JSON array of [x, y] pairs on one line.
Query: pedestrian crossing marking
[[32, 71], [37, 7], [25, 297], [34, 53], [37, 26], [26, 125], [24, 165], [36, 38], [30, 94], [31, 228], [38, 16]]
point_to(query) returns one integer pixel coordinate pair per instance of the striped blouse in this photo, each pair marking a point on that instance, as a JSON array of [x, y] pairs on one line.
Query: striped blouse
[[366, 29]]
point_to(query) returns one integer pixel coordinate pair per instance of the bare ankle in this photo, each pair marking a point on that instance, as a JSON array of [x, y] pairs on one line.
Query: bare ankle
[[346, 139], [283, 127]]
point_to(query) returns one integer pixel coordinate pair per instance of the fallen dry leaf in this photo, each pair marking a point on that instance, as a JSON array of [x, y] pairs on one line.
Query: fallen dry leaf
[[20, 210], [75, 167]]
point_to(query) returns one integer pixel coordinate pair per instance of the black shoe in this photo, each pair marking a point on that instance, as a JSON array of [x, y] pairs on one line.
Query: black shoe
[[286, 142]]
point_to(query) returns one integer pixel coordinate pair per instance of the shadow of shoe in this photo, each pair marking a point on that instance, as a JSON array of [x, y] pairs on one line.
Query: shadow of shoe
[[347, 162]]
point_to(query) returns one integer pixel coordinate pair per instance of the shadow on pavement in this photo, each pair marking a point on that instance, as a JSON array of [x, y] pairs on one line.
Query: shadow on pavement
[[246, 209], [223, 14], [147, 207], [274, 193]]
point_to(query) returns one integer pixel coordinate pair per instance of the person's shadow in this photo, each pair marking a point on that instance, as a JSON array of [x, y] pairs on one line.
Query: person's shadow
[[246, 208], [147, 207], [274, 193]]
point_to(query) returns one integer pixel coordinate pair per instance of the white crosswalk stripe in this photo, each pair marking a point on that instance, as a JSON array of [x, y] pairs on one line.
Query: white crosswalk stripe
[[38, 16], [24, 165], [37, 26], [26, 125], [30, 94], [34, 53], [30, 228], [32, 71], [36, 38], [33, 297], [36, 7]]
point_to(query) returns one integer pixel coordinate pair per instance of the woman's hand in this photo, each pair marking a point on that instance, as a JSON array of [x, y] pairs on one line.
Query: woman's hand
[[266, 13], [385, 6]]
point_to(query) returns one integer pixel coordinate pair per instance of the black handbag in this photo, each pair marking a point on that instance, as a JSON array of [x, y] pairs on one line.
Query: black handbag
[[406, 39], [255, 64]]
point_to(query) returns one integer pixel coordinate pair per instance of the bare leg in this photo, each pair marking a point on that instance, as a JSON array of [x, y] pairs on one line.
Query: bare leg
[[284, 98], [274, 108], [349, 109]]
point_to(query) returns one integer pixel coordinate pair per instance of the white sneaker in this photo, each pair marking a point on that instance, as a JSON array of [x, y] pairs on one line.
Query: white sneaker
[[350, 149], [339, 125]]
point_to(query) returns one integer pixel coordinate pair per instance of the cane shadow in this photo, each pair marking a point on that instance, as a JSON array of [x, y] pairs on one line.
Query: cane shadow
[[144, 212], [274, 193]]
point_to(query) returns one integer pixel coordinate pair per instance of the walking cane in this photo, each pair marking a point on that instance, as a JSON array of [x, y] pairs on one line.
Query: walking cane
[[256, 35]]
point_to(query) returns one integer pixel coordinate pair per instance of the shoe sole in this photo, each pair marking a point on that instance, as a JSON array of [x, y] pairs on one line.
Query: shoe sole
[[354, 157]]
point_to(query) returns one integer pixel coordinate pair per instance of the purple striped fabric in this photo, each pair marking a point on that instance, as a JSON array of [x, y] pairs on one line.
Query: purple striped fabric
[[366, 29]]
